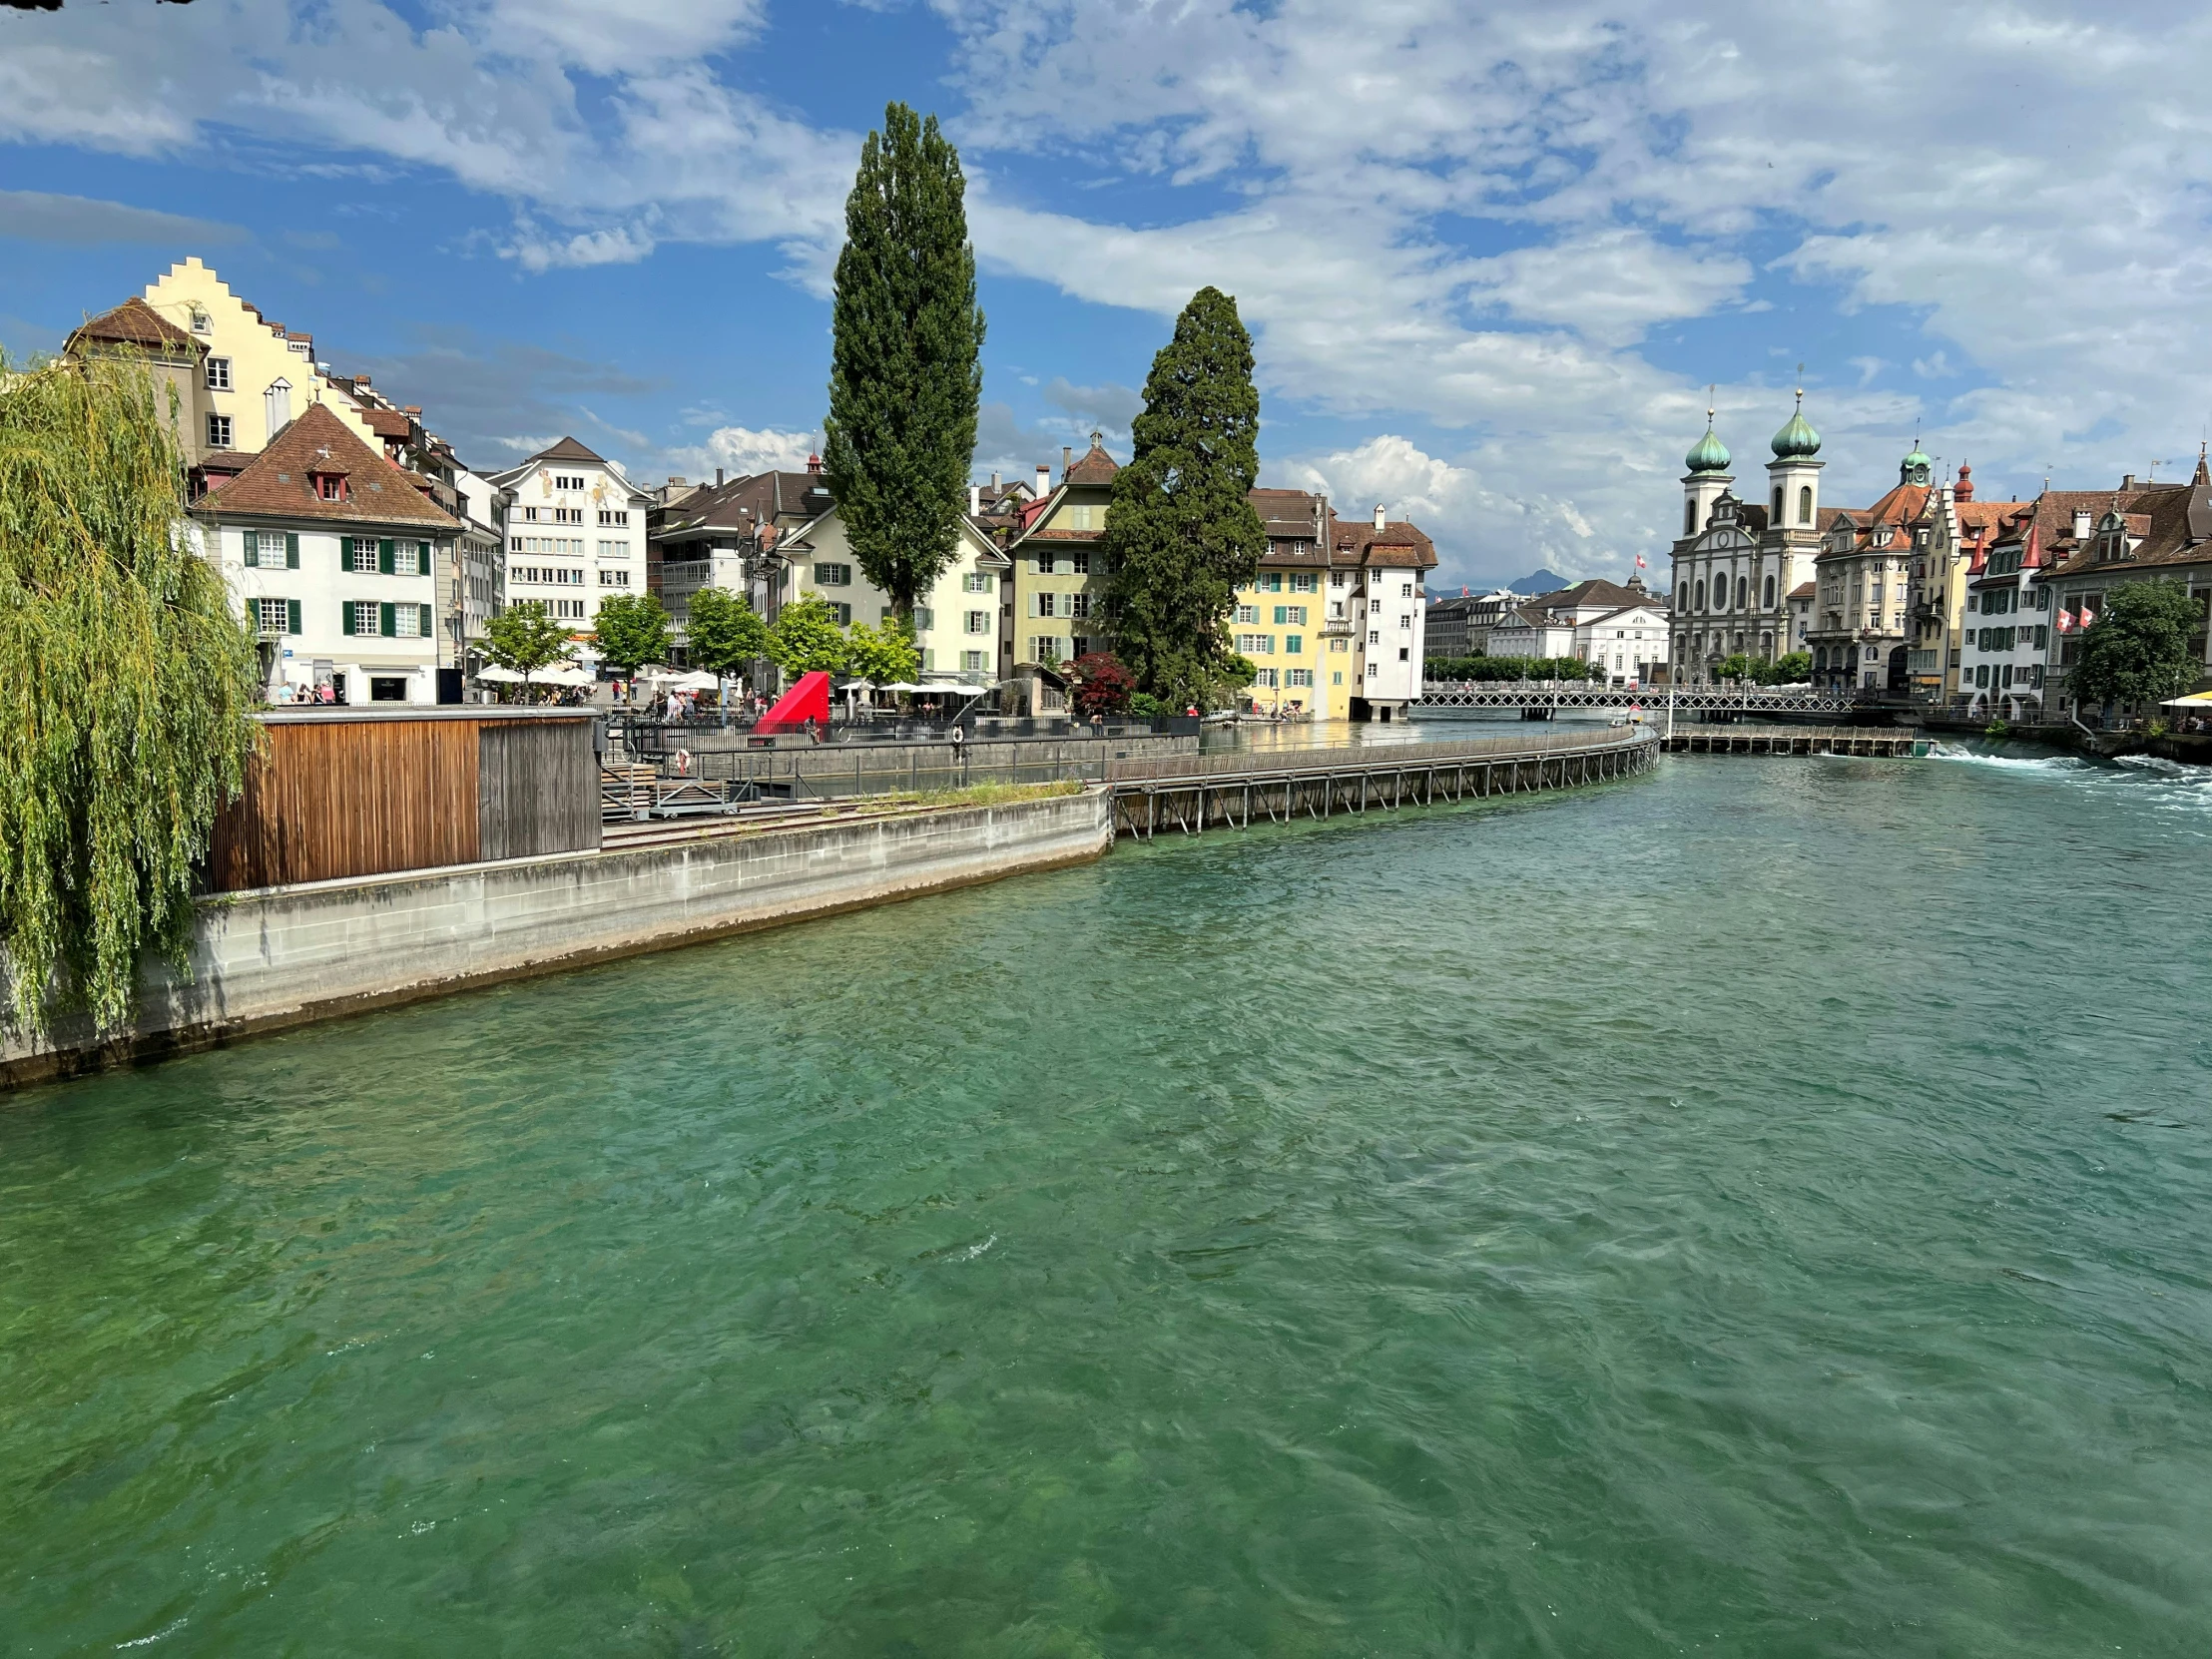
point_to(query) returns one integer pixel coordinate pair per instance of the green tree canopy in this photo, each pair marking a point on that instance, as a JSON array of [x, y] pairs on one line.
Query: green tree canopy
[[633, 630], [526, 639], [128, 678], [1789, 670], [1181, 533], [805, 639], [904, 380], [723, 633], [2140, 650], [883, 656]]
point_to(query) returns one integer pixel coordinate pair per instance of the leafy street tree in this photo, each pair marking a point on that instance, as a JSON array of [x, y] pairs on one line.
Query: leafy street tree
[[2138, 651], [723, 633], [633, 631], [886, 656], [526, 639], [1741, 666], [805, 639], [904, 380], [1181, 533], [1102, 685], [127, 687], [1790, 670]]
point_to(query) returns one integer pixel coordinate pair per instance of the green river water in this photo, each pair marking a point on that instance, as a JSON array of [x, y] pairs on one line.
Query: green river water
[[1759, 1208]]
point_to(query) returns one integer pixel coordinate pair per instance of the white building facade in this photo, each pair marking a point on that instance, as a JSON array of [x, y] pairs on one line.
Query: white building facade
[[574, 533]]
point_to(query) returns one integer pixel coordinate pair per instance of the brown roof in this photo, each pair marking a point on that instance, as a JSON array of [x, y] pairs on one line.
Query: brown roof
[[568, 449], [741, 503], [1596, 591], [1398, 545], [276, 484], [1805, 590], [387, 423], [2173, 522], [1095, 467], [135, 323]]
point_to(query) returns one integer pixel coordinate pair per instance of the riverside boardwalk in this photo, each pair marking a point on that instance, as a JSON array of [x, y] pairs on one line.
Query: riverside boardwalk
[[1893, 742], [1190, 792]]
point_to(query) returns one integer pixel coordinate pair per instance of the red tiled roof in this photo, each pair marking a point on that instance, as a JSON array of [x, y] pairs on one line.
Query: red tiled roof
[[135, 323], [387, 423], [277, 482], [1095, 467]]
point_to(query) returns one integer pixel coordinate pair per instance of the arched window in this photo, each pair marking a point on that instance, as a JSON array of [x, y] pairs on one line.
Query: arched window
[[1778, 504], [1700, 596], [1768, 603], [1766, 646], [1689, 516], [1805, 504], [1743, 592]]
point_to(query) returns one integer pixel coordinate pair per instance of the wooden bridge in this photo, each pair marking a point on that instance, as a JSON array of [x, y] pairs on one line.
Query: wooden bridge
[[1190, 793], [1540, 698], [1899, 742]]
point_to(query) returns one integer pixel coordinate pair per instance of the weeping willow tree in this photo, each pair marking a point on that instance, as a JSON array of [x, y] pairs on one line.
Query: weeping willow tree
[[127, 682]]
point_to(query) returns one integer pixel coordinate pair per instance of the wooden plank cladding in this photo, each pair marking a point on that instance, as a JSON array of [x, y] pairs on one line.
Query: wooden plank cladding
[[537, 789], [346, 793]]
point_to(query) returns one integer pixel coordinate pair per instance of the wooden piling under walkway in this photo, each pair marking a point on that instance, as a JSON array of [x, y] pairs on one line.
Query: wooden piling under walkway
[[1873, 740], [1233, 791]]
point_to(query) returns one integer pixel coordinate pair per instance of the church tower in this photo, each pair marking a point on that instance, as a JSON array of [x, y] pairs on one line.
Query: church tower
[[1707, 481], [1793, 475]]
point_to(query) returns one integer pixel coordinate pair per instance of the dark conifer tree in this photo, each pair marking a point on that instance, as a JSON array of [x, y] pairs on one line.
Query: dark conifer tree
[[1182, 533], [904, 380]]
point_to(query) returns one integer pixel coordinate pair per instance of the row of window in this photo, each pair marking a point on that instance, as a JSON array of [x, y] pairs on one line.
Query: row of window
[[550, 576], [362, 555], [559, 547], [1060, 604], [609, 517], [2001, 675], [1068, 564], [1693, 596], [1293, 615], [373, 617], [2038, 637], [1263, 645], [1293, 677], [1300, 581]]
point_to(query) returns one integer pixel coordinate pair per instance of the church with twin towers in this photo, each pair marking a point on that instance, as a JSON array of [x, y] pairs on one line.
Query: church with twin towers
[[1743, 569]]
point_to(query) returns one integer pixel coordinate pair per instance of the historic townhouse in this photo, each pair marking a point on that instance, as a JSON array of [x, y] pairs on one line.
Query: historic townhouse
[[575, 532], [256, 376], [1059, 562], [332, 552], [137, 333], [1619, 629], [1381, 567], [2137, 533], [1936, 594], [2005, 636]]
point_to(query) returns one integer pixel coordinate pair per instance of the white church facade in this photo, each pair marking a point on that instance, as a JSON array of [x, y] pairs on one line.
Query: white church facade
[[1737, 562]]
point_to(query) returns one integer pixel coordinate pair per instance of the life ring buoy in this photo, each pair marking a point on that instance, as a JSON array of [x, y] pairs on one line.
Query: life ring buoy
[[683, 763]]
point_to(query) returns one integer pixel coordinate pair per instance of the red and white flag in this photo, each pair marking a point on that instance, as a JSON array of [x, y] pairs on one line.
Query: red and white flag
[[2086, 616], [1640, 565], [2065, 622]]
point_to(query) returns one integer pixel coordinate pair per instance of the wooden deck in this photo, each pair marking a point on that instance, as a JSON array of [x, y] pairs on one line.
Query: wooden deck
[[1899, 742]]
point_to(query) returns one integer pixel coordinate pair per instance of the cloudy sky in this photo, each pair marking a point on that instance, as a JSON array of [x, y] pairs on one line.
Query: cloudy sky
[[1490, 263]]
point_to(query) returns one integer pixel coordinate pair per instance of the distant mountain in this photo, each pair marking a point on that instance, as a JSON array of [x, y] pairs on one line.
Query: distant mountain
[[1542, 581]]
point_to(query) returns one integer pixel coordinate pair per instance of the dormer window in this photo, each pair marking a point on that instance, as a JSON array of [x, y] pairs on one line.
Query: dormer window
[[329, 487]]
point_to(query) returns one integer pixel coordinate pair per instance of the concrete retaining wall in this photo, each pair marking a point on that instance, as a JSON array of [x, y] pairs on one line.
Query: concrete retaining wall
[[285, 955]]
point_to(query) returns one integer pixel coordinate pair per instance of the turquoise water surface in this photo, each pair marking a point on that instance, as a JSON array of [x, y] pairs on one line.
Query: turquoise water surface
[[1761, 1208]]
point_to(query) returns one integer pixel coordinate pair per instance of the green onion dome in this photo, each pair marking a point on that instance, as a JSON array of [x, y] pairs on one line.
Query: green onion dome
[[1798, 440], [1708, 454]]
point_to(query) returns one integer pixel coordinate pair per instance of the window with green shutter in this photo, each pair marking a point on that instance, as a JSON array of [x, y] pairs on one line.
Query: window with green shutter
[[387, 615], [425, 610], [1282, 615], [422, 558], [291, 616], [346, 616], [384, 560], [291, 554]]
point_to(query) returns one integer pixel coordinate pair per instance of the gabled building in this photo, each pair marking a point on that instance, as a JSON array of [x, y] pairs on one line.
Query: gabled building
[[1291, 622], [256, 376], [1381, 566], [575, 531], [137, 333], [1055, 540], [1460, 626], [333, 554], [2137, 533]]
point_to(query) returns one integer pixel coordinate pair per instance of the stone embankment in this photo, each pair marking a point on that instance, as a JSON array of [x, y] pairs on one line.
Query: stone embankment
[[270, 957]]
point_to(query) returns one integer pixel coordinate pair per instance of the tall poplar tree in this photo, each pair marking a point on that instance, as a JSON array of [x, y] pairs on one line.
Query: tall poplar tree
[[904, 380], [1182, 533]]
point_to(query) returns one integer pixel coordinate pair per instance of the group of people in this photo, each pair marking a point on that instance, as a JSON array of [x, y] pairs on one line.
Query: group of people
[[285, 692]]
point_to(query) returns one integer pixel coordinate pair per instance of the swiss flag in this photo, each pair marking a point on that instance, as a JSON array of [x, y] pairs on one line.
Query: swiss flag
[[2065, 622], [2087, 616]]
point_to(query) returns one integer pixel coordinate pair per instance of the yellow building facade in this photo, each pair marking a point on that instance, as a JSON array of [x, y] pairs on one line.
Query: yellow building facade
[[256, 375]]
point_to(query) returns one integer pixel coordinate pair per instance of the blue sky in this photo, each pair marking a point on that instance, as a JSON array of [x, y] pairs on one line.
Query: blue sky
[[1491, 261]]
